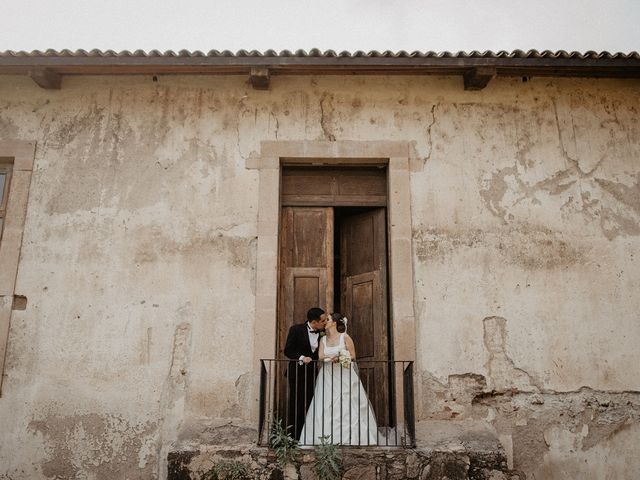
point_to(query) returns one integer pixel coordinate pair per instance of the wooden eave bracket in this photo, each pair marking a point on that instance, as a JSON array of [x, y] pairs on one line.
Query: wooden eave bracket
[[46, 78], [259, 78], [478, 78]]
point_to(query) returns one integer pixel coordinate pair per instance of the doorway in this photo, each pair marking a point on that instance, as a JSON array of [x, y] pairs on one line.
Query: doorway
[[333, 253]]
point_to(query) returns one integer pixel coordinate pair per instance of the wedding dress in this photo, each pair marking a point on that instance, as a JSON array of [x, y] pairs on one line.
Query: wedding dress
[[340, 408]]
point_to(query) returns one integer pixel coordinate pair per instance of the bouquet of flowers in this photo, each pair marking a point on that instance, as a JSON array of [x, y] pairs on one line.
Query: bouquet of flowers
[[344, 357]]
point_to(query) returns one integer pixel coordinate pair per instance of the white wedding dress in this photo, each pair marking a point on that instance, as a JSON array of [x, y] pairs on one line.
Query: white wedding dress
[[340, 408]]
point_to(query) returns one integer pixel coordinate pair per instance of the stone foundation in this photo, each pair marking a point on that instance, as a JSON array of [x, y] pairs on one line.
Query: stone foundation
[[473, 453]]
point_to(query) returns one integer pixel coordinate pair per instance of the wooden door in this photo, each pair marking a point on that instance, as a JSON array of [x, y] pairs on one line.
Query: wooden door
[[363, 273], [306, 265], [305, 277]]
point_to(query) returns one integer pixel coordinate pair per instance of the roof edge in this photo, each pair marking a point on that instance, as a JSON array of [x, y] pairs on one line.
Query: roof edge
[[591, 54], [47, 68]]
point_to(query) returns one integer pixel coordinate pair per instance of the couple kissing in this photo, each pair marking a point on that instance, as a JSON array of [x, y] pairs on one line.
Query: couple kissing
[[330, 402]]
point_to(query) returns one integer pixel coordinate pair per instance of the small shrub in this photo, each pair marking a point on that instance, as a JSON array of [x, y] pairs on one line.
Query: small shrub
[[328, 460], [283, 444], [227, 470]]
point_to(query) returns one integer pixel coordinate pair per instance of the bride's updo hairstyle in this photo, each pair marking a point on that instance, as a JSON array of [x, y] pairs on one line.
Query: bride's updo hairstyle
[[341, 322]]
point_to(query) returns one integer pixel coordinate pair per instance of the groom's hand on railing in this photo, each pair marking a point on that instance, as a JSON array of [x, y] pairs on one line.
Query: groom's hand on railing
[[304, 360]]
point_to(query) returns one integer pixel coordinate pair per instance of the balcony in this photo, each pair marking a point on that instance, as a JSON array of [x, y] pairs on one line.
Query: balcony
[[443, 449], [368, 403]]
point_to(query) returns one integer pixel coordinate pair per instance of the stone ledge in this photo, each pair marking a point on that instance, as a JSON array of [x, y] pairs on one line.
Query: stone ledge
[[452, 450], [357, 463]]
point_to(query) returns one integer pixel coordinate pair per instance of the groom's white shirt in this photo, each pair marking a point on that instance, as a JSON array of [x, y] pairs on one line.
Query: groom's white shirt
[[313, 340]]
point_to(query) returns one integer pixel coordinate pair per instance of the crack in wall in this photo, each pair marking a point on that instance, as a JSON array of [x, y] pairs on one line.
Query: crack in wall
[[429, 137], [275, 119], [563, 149], [241, 110]]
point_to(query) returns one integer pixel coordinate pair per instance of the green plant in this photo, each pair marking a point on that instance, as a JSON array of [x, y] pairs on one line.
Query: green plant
[[328, 460], [227, 470], [283, 444]]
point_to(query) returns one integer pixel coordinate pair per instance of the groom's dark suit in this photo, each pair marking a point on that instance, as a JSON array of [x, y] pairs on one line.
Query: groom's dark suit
[[301, 377]]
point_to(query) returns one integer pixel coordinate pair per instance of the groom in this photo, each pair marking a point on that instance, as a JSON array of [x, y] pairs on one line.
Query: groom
[[302, 346]]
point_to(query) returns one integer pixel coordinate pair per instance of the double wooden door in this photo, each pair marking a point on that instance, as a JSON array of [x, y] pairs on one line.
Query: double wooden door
[[315, 270]]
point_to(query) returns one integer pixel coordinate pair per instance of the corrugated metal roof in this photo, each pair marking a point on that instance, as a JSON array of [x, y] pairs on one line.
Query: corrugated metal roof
[[487, 54], [47, 68]]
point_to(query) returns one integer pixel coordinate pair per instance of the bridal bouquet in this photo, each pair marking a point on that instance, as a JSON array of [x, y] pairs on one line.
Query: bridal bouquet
[[344, 357]]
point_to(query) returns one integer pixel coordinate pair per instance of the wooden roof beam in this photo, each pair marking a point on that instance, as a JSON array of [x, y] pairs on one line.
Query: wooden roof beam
[[479, 77], [46, 78], [259, 78]]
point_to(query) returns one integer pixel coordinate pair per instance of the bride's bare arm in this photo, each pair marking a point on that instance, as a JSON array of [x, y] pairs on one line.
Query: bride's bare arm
[[350, 346]]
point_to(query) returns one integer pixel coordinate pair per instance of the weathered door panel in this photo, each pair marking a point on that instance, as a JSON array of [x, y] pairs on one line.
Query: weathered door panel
[[364, 296], [305, 277], [306, 265]]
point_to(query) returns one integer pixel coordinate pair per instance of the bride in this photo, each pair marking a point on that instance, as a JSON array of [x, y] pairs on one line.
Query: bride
[[340, 409]]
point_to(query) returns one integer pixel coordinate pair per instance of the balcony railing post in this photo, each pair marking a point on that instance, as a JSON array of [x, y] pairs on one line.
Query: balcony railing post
[[399, 397], [410, 421], [263, 400]]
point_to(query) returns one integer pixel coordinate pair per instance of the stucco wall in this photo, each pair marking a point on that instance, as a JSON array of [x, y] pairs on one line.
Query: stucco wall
[[138, 261]]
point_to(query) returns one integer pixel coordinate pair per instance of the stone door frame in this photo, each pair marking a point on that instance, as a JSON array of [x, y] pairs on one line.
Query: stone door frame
[[275, 154], [20, 154]]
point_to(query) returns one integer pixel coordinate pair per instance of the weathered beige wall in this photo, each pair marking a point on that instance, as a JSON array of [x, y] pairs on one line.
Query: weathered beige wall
[[138, 261]]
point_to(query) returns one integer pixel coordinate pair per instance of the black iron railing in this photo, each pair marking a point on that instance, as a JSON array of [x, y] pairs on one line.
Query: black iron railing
[[366, 403]]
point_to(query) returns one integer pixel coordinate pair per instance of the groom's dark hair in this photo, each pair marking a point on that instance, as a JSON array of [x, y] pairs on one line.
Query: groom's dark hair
[[314, 314]]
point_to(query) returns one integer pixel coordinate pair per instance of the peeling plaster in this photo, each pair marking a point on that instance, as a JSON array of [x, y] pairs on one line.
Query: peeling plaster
[[527, 247], [450, 400], [326, 102], [576, 186], [95, 446], [502, 372], [154, 246], [627, 195], [544, 427], [174, 391], [532, 422]]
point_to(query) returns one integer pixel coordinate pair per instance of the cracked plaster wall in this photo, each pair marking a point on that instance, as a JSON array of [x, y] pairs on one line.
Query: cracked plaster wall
[[139, 254]]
